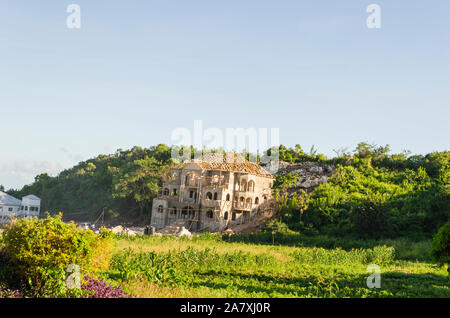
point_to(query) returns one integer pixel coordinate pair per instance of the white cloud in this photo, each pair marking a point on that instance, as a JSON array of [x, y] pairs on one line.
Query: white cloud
[[72, 156], [21, 172]]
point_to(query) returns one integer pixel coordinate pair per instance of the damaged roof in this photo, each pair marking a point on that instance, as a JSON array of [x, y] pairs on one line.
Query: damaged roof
[[231, 162]]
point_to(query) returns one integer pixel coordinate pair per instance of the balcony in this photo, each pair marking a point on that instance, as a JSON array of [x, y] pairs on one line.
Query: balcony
[[243, 206], [191, 183], [215, 182], [211, 203]]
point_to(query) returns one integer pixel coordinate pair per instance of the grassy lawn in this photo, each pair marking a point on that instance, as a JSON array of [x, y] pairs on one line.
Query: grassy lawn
[[208, 267]]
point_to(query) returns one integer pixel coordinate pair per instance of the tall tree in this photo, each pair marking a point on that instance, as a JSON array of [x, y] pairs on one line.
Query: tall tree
[[139, 180]]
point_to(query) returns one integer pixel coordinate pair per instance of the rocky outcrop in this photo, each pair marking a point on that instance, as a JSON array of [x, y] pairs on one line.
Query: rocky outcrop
[[311, 174]]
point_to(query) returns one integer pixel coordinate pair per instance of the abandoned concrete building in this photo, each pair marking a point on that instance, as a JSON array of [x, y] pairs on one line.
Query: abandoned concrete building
[[212, 193]]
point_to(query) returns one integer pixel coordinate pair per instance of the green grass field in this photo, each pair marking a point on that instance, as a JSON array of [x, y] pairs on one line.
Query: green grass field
[[206, 266]]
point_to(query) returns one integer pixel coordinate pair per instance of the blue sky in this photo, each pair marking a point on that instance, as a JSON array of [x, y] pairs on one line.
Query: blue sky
[[136, 70]]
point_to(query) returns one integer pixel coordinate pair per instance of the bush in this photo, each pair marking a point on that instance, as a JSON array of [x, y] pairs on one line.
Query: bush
[[273, 226], [10, 293], [101, 289], [41, 250], [440, 247]]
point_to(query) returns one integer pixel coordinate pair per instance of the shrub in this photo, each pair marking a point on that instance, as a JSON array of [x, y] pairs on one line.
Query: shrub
[[440, 247], [101, 289], [41, 250], [10, 293], [273, 226]]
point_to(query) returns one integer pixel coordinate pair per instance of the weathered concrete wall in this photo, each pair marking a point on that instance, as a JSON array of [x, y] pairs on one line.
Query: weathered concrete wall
[[217, 198], [159, 213], [311, 175]]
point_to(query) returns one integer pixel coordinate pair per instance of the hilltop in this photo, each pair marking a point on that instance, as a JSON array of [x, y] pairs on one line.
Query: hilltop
[[369, 193]]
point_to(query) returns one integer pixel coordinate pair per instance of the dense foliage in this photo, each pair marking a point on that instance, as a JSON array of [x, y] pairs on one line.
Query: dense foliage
[[37, 254], [440, 247], [372, 195], [376, 208], [101, 289], [210, 266], [121, 184]]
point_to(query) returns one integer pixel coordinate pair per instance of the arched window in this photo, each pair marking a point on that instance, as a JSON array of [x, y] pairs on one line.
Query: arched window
[[215, 195], [248, 203], [160, 208], [243, 185], [225, 216], [166, 191], [251, 186], [209, 196], [174, 192], [228, 197], [209, 214], [256, 200]]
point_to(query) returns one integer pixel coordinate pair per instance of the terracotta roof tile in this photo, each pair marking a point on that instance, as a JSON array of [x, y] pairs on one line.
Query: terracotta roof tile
[[230, 162]]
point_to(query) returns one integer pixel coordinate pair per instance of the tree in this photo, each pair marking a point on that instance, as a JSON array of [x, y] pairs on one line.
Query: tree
[[139, 180], [302, 200], [298, 150], [364, 150], [440, 247], [2, 188], [281, 198]]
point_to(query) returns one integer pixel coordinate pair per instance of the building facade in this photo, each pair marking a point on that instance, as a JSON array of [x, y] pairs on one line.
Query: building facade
[[10, 207], [212, 193]]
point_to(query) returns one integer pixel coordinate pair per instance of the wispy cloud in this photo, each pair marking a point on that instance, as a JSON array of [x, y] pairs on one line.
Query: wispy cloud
[[20, 172], [72, 156]]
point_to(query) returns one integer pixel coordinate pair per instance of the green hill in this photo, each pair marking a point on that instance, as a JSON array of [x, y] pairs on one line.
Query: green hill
[[371, 193], [123, 184]]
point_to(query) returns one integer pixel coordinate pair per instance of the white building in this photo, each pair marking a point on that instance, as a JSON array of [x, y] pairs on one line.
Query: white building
[[10, 207]]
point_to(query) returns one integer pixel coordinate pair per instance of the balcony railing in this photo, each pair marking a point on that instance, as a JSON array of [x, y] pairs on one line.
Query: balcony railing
[[242, 206], [211, 203], [211, 182], [191, 183]]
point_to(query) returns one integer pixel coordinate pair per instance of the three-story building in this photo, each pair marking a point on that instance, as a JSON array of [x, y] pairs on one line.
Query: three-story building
[[212, 193]]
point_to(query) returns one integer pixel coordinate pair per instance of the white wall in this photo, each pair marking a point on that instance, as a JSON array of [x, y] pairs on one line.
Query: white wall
[[6, 214], [30, 207], [158, 217]]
